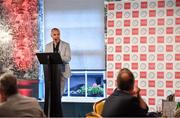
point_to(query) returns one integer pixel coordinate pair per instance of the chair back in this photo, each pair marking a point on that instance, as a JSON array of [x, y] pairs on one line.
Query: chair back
[[98, 106]]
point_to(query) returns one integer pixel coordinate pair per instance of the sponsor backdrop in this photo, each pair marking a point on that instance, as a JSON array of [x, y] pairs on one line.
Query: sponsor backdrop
[[144, 36]]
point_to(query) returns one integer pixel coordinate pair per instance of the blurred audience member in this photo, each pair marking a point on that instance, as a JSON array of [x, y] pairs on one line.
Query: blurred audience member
[[12, 104], [125, 101]]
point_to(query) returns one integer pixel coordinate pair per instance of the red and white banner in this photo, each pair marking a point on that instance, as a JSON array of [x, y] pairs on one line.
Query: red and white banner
[[144, 36]]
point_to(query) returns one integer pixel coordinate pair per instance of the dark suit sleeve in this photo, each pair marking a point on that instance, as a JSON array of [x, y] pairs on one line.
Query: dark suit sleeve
[[137, 110]]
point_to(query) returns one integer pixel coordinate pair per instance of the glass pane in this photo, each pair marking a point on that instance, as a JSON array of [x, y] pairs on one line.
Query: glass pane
[[77, 85], [95, 87]]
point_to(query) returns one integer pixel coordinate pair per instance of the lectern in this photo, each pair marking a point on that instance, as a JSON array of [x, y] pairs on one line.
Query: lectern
[[52, 104]]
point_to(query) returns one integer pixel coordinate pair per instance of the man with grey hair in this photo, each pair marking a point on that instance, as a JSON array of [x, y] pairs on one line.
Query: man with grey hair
[[63, 48], [53, 97], [12, 104]]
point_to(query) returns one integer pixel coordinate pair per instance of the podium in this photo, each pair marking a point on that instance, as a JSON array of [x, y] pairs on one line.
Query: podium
[[52, 104]]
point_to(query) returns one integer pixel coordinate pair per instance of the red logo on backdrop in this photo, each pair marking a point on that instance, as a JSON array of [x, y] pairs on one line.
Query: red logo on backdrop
[[118, 49], [160, 75], [152, 30], [169, 66], [110, 23], [143, 4], [134, 48], [110, 57], [126, 57], [110, 74], [118, 65], [126, 40], [169, 84], [169, 12], [111, 6], [144, 22], [152, 48], [134, 66], [151, 66], [118, 31], [161, 4], [118, 14], [135, 14], [143, 92], [126, 23], [127, 5], [177, 39], [143, 74], [169, 30], [177, 57], [177, 75], [135, 31], [161, 21], [160, 92], [143, 39], [109, 91], [110, 40], [152, 13], [169, 48], [151, 83], [136, 83], [177, 93], [151, 101], [177, 3], [177, 21], [161, 39], [143, 57], [160, 57]]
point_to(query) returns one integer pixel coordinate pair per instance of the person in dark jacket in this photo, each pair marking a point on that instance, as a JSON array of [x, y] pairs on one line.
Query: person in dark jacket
[[125, 101]]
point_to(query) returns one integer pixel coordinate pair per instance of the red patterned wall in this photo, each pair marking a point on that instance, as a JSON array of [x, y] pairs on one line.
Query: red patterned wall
[[19, 27]]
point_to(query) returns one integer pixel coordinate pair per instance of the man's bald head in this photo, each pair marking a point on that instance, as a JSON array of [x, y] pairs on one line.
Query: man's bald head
[[125, 80]]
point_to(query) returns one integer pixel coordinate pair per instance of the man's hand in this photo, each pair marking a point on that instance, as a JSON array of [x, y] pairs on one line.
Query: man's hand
[[135, 91]]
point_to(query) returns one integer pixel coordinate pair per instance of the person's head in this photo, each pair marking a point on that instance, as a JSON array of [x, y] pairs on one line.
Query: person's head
[[125, 80], [55, 34], [8, 85]]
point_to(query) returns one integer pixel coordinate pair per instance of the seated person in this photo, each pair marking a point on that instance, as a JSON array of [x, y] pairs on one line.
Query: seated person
[[125, 101], [12, 104]]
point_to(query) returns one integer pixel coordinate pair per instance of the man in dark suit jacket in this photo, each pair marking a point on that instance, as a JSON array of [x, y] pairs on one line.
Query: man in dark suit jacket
[[125, 101]]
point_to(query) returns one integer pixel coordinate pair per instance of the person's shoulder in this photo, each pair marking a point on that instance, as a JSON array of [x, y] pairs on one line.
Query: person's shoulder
[[122, 95], [31, 100], [3, 108], [65, 43], [28, 98], [3, 105], [49, 43], [133, 99]]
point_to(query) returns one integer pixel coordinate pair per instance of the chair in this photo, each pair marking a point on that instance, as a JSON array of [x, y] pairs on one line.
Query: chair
[[98, 106], [97, 109]]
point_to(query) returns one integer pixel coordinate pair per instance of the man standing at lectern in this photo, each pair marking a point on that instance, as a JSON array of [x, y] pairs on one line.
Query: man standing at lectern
[[63, 48]]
